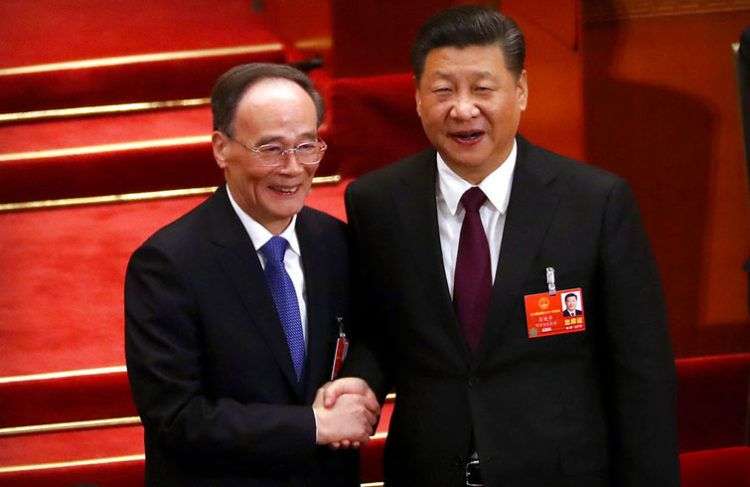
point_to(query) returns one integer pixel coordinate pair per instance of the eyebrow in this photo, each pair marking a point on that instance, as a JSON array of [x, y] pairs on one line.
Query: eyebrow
[[270, 139], [449, 75]]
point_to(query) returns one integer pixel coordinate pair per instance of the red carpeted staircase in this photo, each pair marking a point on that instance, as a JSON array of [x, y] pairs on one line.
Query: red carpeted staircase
[[104, 138], [83, 134]]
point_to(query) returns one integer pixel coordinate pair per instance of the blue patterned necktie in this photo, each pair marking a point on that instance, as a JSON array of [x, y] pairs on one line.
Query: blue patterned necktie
[[285, 299]]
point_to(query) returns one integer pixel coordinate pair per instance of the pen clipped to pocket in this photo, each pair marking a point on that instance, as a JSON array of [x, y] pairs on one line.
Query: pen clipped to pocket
[[342, 346]]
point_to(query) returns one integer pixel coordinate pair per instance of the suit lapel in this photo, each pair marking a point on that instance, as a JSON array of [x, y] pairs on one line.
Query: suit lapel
[[417, 208], [318, 293], [240, 262], [532, 205]]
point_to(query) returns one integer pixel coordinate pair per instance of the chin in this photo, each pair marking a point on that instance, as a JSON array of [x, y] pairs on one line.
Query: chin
[[470, 162]]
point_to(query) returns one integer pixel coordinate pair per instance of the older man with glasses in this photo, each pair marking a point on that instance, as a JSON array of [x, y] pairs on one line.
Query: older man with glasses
[[233, 310]]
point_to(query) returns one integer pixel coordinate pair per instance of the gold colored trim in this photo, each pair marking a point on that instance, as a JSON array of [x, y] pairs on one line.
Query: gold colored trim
[[98, 200], [121, 198], [70, 425], [98, 149], [597, 11], [101, 109], [390, 397], [77, 463], [96, 423], [103, 461], [117, 369], [142, 58], [334, 179], [314, 43]]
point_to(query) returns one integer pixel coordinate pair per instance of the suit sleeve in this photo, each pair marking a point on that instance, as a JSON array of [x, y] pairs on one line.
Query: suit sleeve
[[641, 365], [165, 364], [366, 358]]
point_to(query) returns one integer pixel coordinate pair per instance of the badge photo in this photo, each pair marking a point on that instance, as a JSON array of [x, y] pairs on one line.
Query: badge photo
[[555, 313]]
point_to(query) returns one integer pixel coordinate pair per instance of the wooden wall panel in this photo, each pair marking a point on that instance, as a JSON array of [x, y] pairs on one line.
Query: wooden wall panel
[[661, 109], [554, 117]]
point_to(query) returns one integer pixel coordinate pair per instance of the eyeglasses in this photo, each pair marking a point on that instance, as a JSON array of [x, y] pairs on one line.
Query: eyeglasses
[[271, 155]]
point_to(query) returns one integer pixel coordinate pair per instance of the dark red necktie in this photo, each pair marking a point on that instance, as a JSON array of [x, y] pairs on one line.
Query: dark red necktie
[[472, 282]]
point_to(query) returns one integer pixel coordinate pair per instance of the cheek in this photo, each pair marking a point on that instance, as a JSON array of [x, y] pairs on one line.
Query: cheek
[[254, 181], [504, 116], [433, 113]]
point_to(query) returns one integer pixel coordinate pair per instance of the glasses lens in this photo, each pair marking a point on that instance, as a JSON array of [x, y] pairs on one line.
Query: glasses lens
[[270, 155], [310, 153]]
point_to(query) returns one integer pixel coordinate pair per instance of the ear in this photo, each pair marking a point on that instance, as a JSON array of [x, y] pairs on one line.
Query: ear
[[418, 101], [220, 146], [522, 88]]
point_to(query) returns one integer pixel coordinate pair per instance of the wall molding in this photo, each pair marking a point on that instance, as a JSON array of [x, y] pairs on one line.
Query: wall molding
[[603, 11]]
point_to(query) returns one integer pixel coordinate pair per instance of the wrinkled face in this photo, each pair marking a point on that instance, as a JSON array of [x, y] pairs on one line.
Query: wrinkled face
[[271, 111], [470, 106], [570, 303]]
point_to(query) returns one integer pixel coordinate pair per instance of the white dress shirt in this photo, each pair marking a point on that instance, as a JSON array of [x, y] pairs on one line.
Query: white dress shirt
[[450, 214], [292, 258]]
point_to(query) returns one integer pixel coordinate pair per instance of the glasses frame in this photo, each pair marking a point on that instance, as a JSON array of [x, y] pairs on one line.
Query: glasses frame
[[256, 150]]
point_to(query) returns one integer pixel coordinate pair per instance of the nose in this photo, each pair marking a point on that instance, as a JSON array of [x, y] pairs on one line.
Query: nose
[[291, 165], [464, 107]]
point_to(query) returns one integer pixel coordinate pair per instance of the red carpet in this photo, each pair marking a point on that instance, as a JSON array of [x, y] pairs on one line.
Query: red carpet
[[62, 275], [106, 129], [72, 445], [181, 48], [83, 29], [98, 395], [131, 163]]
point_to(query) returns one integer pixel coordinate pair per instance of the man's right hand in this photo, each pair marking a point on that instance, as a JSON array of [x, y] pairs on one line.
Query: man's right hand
[[351, 420]]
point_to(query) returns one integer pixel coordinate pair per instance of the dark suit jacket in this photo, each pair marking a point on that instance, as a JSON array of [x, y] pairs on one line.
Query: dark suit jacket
[[208, 362], [593, 408], [576, 312]]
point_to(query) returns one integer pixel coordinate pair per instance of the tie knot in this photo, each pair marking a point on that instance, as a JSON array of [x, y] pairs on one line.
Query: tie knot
[[472, 199], [274, 249]]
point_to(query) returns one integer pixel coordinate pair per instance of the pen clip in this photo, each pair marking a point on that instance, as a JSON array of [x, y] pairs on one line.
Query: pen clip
[[551, 281], [340, 321]]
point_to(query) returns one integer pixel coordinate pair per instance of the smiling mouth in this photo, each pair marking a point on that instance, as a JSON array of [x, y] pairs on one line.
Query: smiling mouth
[[467, 136], [284, 190]]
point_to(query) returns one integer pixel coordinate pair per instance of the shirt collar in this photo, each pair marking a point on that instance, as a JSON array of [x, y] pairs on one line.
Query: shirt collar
[[497, 184], [260, 234]]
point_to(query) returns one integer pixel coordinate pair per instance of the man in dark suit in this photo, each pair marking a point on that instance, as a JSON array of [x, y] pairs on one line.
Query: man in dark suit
[[232, 311], [450, 242], [571, 306]]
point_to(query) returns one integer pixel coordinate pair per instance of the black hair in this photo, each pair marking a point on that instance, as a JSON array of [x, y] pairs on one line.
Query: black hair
[[470, 25]]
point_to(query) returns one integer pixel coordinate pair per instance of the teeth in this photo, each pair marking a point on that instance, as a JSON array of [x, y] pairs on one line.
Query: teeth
[[467, 135]]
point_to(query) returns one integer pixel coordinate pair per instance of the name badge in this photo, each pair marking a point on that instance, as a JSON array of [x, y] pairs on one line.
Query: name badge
[[550, 314]]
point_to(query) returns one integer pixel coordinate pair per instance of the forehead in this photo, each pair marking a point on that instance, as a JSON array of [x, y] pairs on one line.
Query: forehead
[[477, 60], [275, 102]]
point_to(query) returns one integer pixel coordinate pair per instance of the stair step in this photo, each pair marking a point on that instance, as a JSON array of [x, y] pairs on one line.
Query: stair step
[[114, 154], [62, 397], [114, 456], [65, 308]]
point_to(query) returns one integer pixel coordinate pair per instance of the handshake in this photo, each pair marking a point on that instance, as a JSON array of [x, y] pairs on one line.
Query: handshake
[[346, 413]]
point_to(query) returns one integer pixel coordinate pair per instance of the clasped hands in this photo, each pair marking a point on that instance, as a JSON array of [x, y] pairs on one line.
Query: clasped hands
[[346, 413]]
